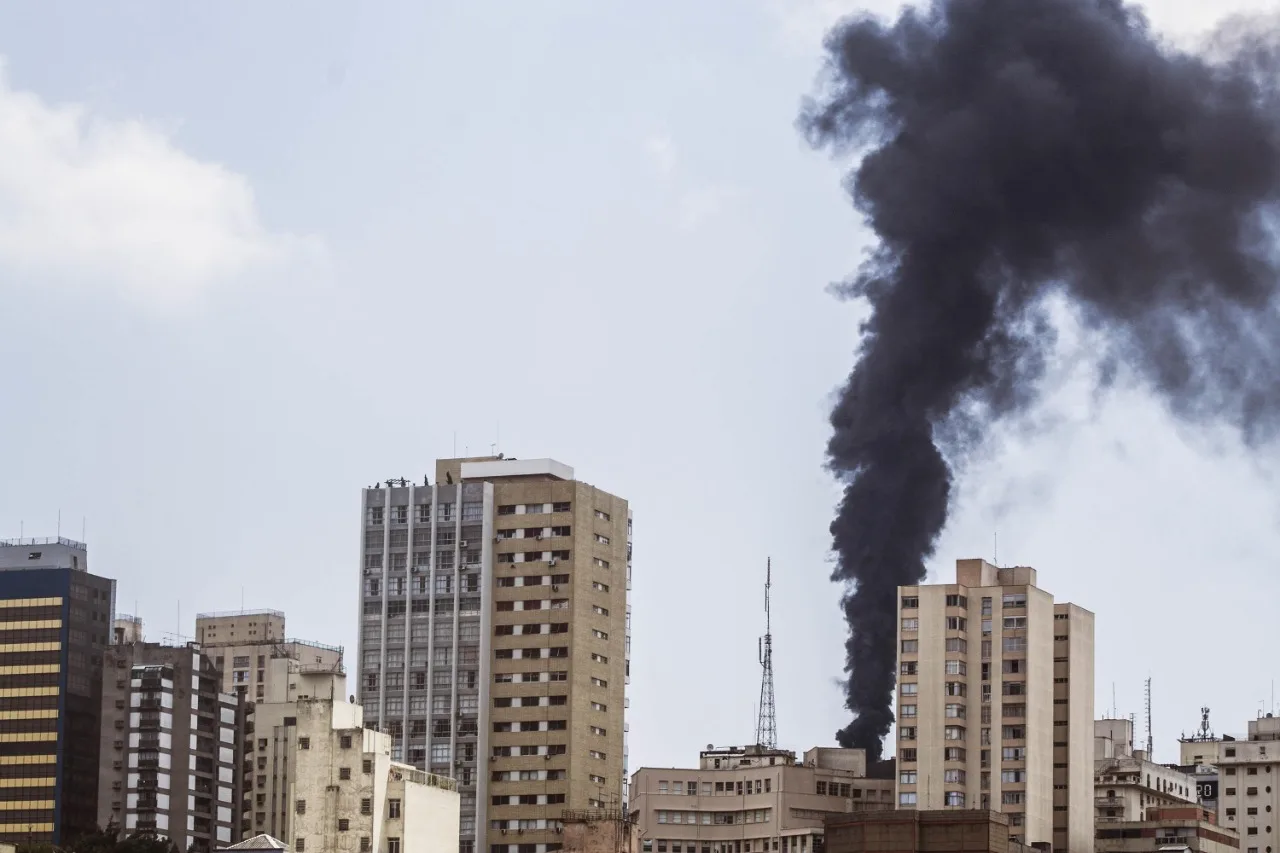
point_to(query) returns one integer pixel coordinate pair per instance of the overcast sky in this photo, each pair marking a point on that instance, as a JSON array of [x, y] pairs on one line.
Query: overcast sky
[[256, 256]]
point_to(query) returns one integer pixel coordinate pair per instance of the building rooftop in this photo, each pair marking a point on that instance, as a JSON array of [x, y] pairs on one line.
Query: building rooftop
[[225, 613], [258, 842], [47, 540]]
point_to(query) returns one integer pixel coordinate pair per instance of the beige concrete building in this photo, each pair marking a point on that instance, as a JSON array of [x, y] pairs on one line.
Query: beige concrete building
[[913, 831], [340, 792], [269, 759], [751, 799], [250, 649], [1183, 828], [1248, 781], [494, 641], [992, 633], [1128, 786]]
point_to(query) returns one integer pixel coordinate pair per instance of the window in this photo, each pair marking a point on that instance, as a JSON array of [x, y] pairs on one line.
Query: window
[[954, 798], [344, 742], [1014, 599], [1013, 753], [956, 667], [957, 601], [365, 844], [909, 755], [1013, 776], [368, 766], [955, 712], [300, 807], [344, 772], [910, 647], [909, 688], [1014, 732], [366, 806], [956, 623], [343, 824], [907, 711], [1013, 623], [908, 667], [912, 624], [907, 733], [393, 809], [953, 733], [910, 602], [393, 845], [599, 587], [598, 634], [955, 777], [907, 777], [957, 644], [907, 798], [300, 844], [953, 753]]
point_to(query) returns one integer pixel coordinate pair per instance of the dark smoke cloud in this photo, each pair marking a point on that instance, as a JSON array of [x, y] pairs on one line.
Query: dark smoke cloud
[[1018, 151]]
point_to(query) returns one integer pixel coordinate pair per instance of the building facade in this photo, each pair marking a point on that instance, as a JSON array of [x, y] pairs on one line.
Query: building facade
[[55, 620], [494, 641], [913, 831], [270, 749], [173, 746], [1127, 786], [1185, 828], [1248, 780], [1028, 755], [250, 649], [343, 793], [751, 799]]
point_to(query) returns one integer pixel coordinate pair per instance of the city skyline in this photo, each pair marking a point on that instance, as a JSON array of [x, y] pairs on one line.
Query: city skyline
[[212, 420]]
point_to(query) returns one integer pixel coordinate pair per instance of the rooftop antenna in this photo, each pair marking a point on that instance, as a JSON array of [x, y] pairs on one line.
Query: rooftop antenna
[[767, 720], [995, 547], [1149, 744]]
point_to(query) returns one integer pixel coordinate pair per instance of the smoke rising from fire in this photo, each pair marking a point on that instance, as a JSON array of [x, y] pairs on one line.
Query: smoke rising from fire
[[1017, 152]]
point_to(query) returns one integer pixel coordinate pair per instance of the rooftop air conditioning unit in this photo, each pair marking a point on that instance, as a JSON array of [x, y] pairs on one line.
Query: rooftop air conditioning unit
[[555, 587], [462, 544], [553, 561]]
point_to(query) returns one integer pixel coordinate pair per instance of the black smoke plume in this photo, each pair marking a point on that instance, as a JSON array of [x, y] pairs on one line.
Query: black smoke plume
[[1016, 152]]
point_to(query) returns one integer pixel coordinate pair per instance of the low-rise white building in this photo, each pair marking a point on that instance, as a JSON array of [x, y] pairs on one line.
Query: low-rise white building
[[338, 791], [1127, 784]]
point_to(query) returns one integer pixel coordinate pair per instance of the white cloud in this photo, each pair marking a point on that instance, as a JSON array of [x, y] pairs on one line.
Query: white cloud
[[694, 204], [106, 202], [697, 206], [662, 151]]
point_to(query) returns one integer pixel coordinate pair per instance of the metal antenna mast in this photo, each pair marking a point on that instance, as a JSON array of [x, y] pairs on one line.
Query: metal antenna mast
[[767, 721], [1149, 758]]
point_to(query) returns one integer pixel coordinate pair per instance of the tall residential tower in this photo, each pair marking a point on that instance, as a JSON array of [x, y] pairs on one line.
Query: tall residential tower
[[1027, 753], [494, 641]]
